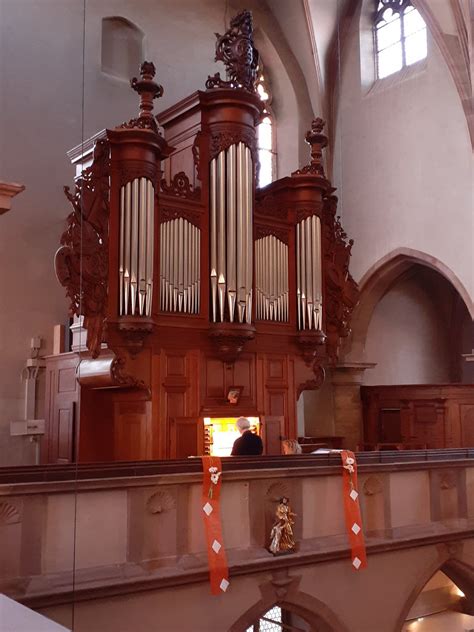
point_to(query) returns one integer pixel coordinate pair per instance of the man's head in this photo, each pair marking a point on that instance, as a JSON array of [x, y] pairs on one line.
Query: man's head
[[242, 424]]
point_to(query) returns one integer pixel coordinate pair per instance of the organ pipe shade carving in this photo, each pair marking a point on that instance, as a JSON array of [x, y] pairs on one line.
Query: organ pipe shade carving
[[271, 279], [309, 273], [180, 254], [231, 228], [136, 247]]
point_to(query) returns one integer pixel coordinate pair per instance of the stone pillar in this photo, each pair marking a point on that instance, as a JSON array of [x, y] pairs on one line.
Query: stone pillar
[[348, 420]]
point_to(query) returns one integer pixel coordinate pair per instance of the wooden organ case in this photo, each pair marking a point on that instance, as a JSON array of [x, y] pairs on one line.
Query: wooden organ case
[[192, 283]]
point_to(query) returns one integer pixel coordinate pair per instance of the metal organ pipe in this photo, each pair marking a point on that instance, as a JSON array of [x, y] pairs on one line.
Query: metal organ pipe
[[180, 266], [271, 279], [309, 273], [231, 234], [136, 248]]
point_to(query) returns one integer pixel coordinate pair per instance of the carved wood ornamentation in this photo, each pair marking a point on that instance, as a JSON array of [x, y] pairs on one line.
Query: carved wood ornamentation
[[148, 90], [181, 187], [221, 141], [81, 262], [134, 169], [264, 231], [174, 212], [229, 339], [316, 383], [269, 207], [342, 293], [240, 57], [317, 140]]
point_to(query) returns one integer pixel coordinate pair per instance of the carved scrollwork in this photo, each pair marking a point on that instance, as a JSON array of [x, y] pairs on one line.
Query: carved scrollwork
[[303, 213], [342, 293], [169, 213], [316, 383], [240, 57], [119, 375], [133, 169], [221, 141], [265, 231], [81, 262], [181, 187]]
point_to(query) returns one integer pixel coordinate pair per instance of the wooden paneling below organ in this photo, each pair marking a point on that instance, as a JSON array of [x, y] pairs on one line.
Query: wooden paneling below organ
[[192, 282]]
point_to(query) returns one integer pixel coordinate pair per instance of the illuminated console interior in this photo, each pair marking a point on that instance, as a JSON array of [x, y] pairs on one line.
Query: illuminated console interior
[[221, 432]]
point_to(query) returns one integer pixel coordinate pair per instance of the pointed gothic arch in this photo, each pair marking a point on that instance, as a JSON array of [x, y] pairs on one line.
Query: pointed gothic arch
[[380, 278]]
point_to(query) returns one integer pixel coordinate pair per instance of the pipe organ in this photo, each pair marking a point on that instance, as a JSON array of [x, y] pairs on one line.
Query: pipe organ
[[194, 285]]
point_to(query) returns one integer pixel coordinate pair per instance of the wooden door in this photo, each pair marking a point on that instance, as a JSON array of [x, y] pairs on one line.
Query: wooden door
[[186, 437], [272, 430]]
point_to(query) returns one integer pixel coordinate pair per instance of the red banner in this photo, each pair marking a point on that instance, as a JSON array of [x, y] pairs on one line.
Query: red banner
[[350, 492], [211, 490]]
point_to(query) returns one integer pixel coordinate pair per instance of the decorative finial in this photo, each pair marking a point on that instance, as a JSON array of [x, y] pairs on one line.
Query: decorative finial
[[240, 57], [148, 90], [317, 140]]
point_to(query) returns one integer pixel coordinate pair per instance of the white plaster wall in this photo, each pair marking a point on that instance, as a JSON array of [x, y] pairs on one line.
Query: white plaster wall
[[407, 338], [404, 164], [52, 95]]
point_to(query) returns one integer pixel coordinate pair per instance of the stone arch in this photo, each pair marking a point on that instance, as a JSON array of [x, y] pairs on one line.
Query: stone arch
[[459, 572], [379, 279], [312, 610]]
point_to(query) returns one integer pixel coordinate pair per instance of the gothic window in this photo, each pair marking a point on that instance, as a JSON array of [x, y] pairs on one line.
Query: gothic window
[[265, 135], [271, 621], [400, 36], [122, 47]]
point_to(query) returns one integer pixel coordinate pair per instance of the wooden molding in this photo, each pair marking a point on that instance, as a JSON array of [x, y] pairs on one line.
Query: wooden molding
[[8, 190]]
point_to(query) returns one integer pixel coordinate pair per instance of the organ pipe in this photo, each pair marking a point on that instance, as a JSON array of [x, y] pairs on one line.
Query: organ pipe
[[231, 223], [180, 244], [271, 279], [309, 273], [136, 248]]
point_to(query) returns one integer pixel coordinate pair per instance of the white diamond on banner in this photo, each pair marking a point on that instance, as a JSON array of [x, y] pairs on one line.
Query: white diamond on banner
[[224, 585], [207, 509], [216, 547], [354, 495], [356, 563], [355, 528]]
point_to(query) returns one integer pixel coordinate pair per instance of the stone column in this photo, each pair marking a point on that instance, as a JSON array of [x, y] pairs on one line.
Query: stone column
[[348, 420]]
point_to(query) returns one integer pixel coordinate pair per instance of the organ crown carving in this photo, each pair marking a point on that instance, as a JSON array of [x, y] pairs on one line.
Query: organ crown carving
[[240, 57]]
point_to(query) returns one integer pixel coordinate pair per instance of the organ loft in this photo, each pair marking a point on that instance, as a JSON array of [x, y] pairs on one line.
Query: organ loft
[[203, 297]]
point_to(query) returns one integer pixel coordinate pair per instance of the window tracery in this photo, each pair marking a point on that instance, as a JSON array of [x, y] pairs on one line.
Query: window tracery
[[400, 36]]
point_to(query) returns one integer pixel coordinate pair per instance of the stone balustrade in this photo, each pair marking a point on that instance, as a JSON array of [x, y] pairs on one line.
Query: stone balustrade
[[137, 529]]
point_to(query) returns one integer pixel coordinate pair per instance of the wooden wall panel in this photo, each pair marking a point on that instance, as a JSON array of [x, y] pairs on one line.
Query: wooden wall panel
[[62, 395], [467, 425], [431, 415], [132, 430]]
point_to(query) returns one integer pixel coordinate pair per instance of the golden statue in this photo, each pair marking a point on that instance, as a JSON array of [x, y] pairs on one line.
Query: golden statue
[[281, 535]]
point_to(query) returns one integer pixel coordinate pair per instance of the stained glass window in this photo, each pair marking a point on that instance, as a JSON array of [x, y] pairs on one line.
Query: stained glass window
[[400, 36]]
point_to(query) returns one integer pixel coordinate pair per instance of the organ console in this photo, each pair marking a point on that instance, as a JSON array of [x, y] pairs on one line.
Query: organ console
[[191, 280]]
